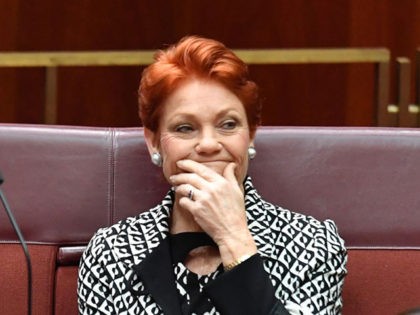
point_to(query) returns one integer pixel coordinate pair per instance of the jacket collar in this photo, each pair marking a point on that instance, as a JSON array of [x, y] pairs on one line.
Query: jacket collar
[[259, 214], [144, 247], [157, 274]]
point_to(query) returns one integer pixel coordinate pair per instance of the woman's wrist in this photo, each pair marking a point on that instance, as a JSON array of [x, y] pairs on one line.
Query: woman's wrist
[[236, 250], [237, 262]]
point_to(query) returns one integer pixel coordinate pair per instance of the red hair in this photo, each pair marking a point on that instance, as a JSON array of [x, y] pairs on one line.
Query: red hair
[[201, 58]]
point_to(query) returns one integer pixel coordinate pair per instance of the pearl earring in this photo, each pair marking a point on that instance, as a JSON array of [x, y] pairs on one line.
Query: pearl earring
[[252, 152], [157, 159]]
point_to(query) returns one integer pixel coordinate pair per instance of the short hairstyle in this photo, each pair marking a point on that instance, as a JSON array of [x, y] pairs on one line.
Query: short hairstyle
[[200, 58]]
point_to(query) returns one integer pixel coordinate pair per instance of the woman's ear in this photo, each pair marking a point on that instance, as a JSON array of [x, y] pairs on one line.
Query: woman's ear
[[151, 140], [252, 152], [252, 137]]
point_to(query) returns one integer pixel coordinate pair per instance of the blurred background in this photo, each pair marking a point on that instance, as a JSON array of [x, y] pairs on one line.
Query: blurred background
[[336, 94]]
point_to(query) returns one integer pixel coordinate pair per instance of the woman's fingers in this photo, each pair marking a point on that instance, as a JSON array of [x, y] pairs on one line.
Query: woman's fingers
[[215, 200], [187, 191], [195, 174], [199, 175], [188, 178], [229, 173], [222, 187], [191, 166]]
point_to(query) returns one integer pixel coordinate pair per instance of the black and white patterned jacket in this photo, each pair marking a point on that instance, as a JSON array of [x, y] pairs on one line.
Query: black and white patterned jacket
[[304, 258]]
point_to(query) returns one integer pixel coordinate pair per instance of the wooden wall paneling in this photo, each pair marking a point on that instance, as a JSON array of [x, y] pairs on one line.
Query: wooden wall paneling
[[364, 30], [385, 116], [368, 96], [294, 94], [406, 117], [106, 24], [391, 24], [8, 24], [77, 25], [312, 94], [416, 106], [27, 25], [98, 96], [21, 95], [359, 106], [30, 95], [50, 110], [7, 95], [312, 57], [8, 77], [417, 78], [301, 94]]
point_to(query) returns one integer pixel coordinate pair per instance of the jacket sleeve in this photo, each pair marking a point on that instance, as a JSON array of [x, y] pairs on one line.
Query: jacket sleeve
[[320, 291], [93, 287], [246, 289]]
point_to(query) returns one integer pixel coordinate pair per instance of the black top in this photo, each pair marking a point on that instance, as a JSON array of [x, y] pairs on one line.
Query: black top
[[223, 285], [182, 243]]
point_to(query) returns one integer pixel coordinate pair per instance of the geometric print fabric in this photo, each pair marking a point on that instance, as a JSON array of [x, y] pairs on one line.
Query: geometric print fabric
[[304, 258]]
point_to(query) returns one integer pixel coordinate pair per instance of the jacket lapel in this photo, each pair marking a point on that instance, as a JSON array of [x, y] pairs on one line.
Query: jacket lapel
[[259, 215], [158, 278]]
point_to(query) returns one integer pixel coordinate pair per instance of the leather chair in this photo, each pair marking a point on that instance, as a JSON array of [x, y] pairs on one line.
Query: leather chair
[[63, 183]]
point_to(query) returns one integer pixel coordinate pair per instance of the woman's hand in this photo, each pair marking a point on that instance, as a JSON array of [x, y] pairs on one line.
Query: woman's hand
[[217, 206]]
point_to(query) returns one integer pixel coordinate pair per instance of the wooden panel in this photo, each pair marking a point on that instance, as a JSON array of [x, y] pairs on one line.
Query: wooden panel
[[56, 60], [417, 77], [146, 25], [21, 95], [304, 108], [7, 91], [98, 96], [27, 25], [392, 24], [406, 118], [360, 96]]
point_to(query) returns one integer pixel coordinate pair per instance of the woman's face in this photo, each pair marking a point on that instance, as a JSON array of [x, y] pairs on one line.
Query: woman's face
[[204, 122]]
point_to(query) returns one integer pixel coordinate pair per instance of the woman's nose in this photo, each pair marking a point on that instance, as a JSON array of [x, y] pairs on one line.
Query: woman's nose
[[208, 142]]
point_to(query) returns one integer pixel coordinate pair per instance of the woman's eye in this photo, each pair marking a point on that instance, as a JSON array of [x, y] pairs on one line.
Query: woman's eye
[[183, 128], [230, 124]]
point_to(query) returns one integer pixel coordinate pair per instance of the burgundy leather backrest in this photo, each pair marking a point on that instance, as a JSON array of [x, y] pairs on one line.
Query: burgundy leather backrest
[[63, 183]]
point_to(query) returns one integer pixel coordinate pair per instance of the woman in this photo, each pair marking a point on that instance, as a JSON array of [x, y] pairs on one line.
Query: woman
[[213, 246]]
